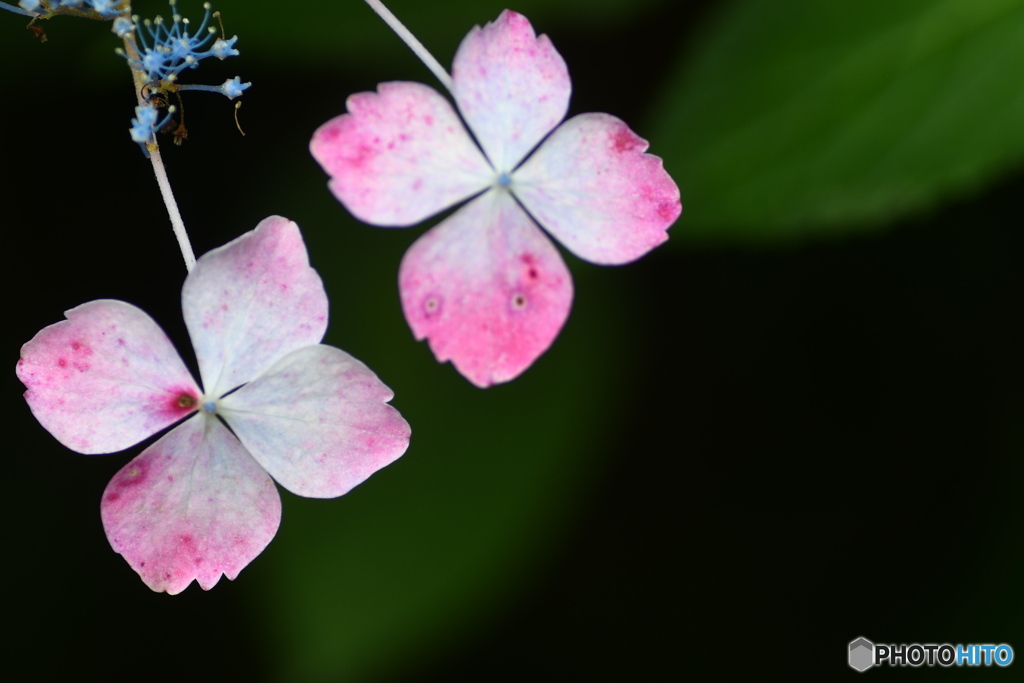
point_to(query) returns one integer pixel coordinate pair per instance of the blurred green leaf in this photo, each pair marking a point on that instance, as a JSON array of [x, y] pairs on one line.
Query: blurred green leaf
[[395, 572], [803, 116]]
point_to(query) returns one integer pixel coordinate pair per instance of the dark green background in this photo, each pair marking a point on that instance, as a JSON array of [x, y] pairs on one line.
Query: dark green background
[[797, 423]]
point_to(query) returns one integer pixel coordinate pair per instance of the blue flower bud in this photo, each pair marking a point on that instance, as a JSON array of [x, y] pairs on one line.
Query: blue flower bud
[[233, 87]]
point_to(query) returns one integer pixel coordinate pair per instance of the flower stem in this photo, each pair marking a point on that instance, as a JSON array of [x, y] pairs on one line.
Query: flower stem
[[410, 40], [18, 10], [177, 225]]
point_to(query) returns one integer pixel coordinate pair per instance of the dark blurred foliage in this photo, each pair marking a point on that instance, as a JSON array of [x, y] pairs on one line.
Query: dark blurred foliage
[[733, 461]]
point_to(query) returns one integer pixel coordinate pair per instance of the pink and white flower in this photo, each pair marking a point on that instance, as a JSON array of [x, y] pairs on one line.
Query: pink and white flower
[[273, 402], [486, 287]]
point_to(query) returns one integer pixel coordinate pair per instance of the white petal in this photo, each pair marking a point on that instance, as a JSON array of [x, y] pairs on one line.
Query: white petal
[[318, 421], [591, 185], [511, 86], [106, 378], [399, 155], [487, 288], [250, 302], [192, 506]]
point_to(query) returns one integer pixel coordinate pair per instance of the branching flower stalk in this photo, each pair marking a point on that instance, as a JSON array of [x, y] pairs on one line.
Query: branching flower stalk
[[157, 52], [153, 147]]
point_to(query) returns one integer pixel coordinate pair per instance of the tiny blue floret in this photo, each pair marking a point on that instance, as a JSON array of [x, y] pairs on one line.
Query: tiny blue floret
[[122, 27], [233, 87], [504, 180], [105, 8], [145, 124], [222, 49], [230, 88]]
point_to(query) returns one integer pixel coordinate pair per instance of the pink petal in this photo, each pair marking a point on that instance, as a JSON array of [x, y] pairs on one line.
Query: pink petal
[[317, 421], [592, 187], [105, 378], [511, 87], [399, 155], [194, 505], [487, 289], [250, 302]]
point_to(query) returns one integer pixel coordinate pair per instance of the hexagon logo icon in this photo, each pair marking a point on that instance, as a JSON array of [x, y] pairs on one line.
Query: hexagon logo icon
[[862, 654]]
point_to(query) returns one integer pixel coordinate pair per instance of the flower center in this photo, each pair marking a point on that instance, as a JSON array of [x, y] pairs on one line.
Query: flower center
[[210, 406], [504, 179]]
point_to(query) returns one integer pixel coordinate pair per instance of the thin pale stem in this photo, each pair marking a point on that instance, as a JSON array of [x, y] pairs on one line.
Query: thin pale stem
[[204, 88], [410, 40], [177, 225], [18, 10]]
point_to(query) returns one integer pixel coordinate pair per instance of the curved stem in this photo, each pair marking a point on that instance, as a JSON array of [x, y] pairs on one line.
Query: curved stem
[[409, 39]]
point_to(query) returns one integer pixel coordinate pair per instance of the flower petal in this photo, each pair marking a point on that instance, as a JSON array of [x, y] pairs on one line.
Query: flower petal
[[105, 378], [317, 421], [399, 155], [511, 86], [194, 505], [487, 289], [250, 302], [592, 187]]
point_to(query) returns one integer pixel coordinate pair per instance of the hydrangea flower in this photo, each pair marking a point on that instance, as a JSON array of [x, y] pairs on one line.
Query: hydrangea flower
[[200, 502], [486, 287]]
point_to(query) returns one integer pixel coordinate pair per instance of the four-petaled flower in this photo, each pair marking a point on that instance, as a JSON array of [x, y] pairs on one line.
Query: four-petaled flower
[[274, 402], [486, 287]]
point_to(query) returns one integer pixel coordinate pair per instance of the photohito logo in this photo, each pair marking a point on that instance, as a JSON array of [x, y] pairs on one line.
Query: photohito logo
[[863, 654]]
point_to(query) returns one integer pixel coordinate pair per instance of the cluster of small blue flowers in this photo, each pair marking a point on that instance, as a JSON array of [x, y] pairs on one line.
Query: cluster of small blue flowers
[[159, 49], [107, 9], [162, 51], [168, 50]]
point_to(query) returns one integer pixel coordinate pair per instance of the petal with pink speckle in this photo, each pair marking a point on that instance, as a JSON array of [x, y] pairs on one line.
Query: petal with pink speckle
[[192, 506], [105, 378], [487, 289], [594, 189], [318, 421], [511, 86], [250, 302], [399, 155]]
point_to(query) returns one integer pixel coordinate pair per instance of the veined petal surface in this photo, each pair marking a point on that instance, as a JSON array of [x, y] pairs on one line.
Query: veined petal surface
[[399, 155], [250, 302], [595, 190], [487, 289], [318, 422], [105, 378], [194, 505], [511, 86]]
